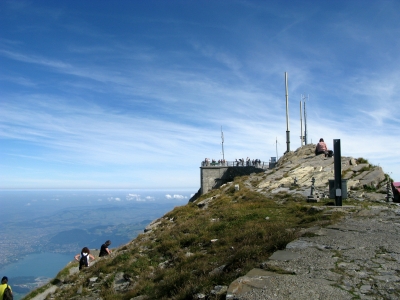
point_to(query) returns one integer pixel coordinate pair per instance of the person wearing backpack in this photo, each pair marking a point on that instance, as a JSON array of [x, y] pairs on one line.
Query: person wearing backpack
[[104, 249], [5, 290], [84, 258]]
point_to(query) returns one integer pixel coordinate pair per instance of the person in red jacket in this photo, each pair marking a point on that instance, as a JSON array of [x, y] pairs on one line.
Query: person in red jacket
[[321, 148]]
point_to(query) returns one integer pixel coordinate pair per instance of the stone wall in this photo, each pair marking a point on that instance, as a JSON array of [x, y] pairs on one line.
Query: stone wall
[[213, 177]]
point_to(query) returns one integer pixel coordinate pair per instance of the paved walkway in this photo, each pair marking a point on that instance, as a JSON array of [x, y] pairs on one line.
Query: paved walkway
[[43, 296], [358, 258]]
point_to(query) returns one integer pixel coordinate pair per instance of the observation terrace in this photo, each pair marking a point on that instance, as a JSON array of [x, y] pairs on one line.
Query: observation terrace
[[258, 164], [213, 174]]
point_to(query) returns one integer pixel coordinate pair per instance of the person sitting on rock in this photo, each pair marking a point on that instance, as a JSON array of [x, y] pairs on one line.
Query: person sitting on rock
[[321, 148], [104, 249]]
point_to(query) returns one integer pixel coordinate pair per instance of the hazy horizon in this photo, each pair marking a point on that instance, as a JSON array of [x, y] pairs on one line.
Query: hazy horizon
[[54, 225], [134, 94]]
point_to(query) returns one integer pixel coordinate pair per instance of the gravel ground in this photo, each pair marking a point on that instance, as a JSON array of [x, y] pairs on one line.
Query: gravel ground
[[356, 258]]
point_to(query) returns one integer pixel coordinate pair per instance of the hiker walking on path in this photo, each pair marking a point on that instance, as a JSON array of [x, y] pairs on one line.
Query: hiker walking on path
[[84, 258], [104, 251], [5, 290]]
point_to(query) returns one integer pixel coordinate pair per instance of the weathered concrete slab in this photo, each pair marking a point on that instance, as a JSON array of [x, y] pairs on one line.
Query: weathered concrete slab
[[357, 258], [284, 255]]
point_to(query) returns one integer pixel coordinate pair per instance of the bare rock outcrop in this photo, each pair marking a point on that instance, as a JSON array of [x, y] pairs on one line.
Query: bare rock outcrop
[[295, 170]]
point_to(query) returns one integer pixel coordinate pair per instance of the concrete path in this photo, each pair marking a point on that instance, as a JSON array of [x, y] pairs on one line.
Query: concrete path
[[358, 258], [42, 296]]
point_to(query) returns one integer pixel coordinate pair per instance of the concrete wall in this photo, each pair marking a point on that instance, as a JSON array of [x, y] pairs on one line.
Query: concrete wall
[[213, 176], [210, 177]]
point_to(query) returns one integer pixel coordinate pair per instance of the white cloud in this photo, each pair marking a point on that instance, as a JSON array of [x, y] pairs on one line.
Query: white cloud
[[175, 196], [148, 114], [133, 197]]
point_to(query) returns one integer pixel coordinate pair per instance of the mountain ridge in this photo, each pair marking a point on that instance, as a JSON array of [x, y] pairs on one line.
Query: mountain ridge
[[245, 222]]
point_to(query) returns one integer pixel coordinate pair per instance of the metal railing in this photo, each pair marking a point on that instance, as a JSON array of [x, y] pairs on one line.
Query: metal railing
[[260, 164]]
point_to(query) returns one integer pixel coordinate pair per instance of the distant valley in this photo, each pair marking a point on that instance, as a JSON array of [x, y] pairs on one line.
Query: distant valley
[[63, 222]]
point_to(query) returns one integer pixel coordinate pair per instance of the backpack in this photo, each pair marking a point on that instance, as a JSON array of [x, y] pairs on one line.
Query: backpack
[[7, 295], [83, 262]]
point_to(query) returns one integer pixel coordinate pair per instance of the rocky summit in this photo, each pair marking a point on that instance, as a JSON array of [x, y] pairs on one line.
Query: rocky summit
[[295, 171], [270, 235]]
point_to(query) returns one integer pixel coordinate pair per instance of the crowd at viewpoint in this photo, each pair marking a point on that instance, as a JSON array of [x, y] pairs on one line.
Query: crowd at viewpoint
[[321, 148], [241, 162], [206, 162], [238, 162]]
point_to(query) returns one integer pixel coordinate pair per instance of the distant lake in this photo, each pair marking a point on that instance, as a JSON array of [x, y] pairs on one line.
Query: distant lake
[[37, 265], [34, 270], [41, 227]]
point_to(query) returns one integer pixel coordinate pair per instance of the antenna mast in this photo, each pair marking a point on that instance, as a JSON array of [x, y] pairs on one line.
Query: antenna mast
[[222, 138], [301, 127], [304, 97], [287, 115]]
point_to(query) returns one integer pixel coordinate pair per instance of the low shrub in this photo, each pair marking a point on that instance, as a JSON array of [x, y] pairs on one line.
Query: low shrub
[[361, 160]]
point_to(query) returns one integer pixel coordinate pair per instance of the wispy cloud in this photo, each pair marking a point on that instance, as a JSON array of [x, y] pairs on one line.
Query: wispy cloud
[[142, 104], [175, 196]]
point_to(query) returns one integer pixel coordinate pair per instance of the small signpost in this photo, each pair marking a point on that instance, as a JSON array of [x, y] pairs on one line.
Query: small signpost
[[337, 165]]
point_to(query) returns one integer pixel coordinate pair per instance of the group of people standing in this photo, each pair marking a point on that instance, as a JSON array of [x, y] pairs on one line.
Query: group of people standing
[[84, 257], [254, 162], [206, 162], [222, 162]]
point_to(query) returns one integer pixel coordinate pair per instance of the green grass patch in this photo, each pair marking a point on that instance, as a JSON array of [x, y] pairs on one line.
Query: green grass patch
[[201, 248], [362, 160]]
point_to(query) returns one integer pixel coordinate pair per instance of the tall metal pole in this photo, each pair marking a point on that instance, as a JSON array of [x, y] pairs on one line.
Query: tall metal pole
[[337, 167], [305, 119], [287, 115], [301, 126], [222, 137]]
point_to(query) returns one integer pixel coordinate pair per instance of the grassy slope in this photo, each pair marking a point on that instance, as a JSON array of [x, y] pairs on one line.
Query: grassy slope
[[248, 227]]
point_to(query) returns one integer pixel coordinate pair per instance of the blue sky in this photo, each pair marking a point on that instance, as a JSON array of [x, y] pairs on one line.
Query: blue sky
[[133, 94]]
